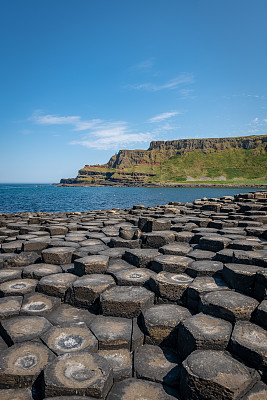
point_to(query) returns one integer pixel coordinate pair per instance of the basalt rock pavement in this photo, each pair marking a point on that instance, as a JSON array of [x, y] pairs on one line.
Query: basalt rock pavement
[[151, 303]]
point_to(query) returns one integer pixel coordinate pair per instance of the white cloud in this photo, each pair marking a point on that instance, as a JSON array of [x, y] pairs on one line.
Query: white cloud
[[185, 78], [112, 135], [163, 116], [54, 119], [101, 135]]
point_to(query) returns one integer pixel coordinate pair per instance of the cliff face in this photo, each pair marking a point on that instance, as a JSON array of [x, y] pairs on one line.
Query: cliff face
[[181, 160]]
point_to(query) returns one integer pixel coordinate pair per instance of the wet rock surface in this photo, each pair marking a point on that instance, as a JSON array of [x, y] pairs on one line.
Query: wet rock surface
[[165, 302]]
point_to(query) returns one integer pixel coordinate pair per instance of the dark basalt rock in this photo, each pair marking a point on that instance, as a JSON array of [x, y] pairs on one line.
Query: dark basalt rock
[[70, 338], [121, 362], [56, 284], [189, 282], [86, 290], [134, 388], [112, 332], [215, 375], [10, 306], [228, 305], [82, 373], [17, 287], [249, 342], [23, 328], [21, 364], [204, 268], [157, 364], [203, 332], [39, 304], [91, 265], [67, 314], [140, 257], [126, 301], [16, 394], [171, 286], [161, 324], [171, 263], [58, 255], [261, 314]]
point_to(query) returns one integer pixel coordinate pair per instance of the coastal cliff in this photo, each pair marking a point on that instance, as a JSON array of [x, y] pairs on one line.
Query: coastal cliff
[[221, 160]]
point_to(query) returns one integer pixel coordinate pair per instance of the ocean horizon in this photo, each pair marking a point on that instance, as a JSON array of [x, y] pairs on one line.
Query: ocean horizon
[[45, 197]]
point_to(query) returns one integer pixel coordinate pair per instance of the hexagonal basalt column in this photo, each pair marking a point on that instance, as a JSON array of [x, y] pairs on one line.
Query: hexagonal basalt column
[[91, 265], [21, 364], [126, 301], [204, 268], [261, 314], [9, 274], [66, 314], [70, 338], [57, 230], [38, 271], [214, 243], [157, 364], [203, 332], [171, 286], [121, 362], [199, 255], [176, 249], [21, 329], [161, 323], [10, 306], [241, 276], [157, 239], [249, 342], [215, 375], [228, 305], [133, 389], [39, 304], [140, 257], [202, 285], [82, 374], [170, 263], [18, 287], [112, 332], [134, 277], [87, 289], [260, 288], [56, 284], [58, 255]]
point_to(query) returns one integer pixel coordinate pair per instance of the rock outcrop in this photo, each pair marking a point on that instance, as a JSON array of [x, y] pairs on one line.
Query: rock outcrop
[[218, 159]]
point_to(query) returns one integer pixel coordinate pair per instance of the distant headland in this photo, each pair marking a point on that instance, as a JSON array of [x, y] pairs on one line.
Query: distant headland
[[216, 162]]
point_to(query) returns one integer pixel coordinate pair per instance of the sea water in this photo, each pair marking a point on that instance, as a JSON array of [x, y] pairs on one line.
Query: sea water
[[15, 198]]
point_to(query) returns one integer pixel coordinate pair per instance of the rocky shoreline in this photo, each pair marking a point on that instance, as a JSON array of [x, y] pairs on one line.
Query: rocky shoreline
[[155, 303], [167, 185]]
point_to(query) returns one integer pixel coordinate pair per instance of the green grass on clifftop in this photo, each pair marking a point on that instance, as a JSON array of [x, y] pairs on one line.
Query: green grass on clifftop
[[229, 165]]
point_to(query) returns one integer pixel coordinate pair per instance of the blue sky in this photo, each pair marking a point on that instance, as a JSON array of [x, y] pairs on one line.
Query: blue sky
[[81, 79]]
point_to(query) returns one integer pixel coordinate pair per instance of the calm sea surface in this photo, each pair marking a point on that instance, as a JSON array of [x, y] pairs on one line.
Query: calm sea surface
[[16, 198]]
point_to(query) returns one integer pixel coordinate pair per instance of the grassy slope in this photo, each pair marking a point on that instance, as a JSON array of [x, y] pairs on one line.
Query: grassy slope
[[233, 163], [246, 166]]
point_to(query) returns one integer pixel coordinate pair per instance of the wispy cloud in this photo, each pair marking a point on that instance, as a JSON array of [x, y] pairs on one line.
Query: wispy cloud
[[185, 78], [144, 65], [163, 116], [54, 119], [101, 135]]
